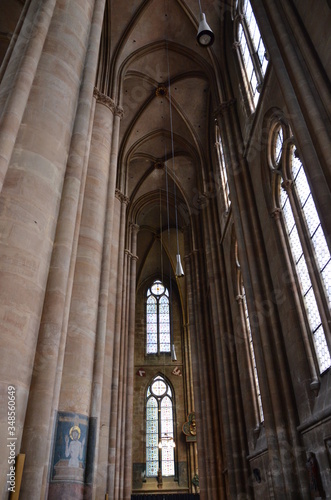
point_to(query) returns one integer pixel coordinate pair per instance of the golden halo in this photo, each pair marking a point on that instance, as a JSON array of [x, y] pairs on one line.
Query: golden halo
[[74, 428]]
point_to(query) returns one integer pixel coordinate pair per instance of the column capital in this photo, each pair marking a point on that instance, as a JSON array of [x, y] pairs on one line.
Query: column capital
[[121, 197], [131, 255], [134, 227], [109, 102], [119, 111], [239, 298], [104, 99], [224, 106], [235, 45], [202, 200], [287, 184], [239, 17], [276, 213]]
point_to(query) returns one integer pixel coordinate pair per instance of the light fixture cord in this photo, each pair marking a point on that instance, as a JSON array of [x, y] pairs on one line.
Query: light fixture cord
[[200, 7], [168, 221], [161, 239], [172, 146], [172, 154]]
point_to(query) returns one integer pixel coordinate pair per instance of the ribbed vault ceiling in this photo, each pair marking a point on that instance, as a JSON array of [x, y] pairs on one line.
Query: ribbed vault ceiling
[[162, 148]]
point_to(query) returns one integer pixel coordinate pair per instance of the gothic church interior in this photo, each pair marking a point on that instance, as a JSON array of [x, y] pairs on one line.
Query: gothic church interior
[[165, 235]]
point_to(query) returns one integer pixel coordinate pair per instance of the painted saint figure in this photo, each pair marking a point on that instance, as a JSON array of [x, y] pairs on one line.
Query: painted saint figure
[[75, 449]]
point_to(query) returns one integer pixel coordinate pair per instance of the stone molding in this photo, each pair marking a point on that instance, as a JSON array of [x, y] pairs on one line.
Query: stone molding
[[108, 102], [287, 185], [224, 106], [239, 298], [276, 213], [130, 255], [134, 227], [121, 197]]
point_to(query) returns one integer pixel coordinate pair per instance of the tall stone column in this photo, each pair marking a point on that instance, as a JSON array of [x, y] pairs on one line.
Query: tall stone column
[[31, 194], [115, 405], [224, 349], [101, 466], [20, 74], [122, 377], [130, 367], [84, 351], [111, 232], [198, 366]]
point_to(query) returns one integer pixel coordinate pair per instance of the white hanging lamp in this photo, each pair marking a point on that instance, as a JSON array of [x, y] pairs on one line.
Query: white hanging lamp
[[179, 267], [173, 353], [205, 36]]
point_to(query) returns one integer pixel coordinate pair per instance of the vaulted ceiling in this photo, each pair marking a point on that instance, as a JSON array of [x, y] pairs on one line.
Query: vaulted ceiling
[[166, 84]]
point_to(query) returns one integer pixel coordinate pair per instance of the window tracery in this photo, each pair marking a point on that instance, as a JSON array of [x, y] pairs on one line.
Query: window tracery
[[160, 443], [251, 50], [157, 319], [242, 300], [222, 166], [307, 245]]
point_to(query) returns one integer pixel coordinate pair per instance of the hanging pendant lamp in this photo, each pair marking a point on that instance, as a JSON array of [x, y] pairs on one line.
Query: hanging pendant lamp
[[173, 353], [179, 267], [205, 36]]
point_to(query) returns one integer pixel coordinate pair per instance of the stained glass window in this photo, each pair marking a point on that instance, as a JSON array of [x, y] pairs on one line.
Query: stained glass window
[[221, 162], [252, 50], [157, 319], [160, 443], [295, 195]]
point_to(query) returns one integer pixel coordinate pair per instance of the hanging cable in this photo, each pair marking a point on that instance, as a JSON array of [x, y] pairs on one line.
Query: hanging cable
[[179, 268], [161, 245]]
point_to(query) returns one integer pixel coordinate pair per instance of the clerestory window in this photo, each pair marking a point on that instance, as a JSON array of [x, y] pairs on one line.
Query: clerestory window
[[307, 245], [251, 51], [157, 319]]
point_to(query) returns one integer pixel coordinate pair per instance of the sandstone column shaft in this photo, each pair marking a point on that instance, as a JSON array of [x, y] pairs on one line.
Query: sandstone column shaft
[[127, 473], [121, 423], [197, 364], [103, 448], [115, 403], [105, 289], [17, 82], [33, 187]]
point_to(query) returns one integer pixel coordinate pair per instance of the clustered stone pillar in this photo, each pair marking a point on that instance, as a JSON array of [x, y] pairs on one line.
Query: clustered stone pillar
[[84, 350], [211, 481], [108, 283], [127, 469], [20, 74], [44, 135], [224, 341], [101, 465], [114, 450]]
